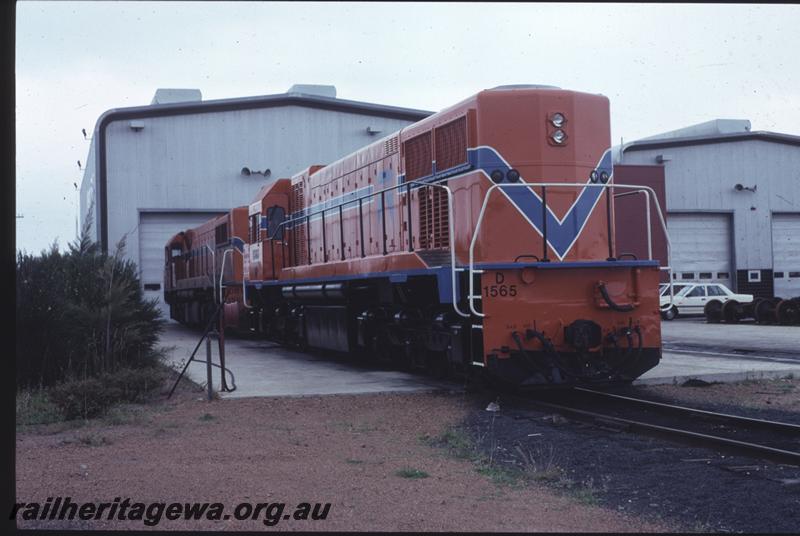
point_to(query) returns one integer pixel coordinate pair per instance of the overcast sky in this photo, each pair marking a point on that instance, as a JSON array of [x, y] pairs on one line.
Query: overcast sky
[[662, 66]]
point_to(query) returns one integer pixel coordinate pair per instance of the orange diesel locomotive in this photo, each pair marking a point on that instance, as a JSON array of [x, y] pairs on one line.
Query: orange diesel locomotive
[[481, 236]]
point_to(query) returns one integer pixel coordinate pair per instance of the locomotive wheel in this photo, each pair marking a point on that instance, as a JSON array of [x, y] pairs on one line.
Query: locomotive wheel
[[788, 311], [670, 314], [437, 365], [730, 312], [713, 311], [378, 353]]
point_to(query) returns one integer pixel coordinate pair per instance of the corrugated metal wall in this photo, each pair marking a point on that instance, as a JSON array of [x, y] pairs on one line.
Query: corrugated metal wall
[[703, 178], [191, 162]]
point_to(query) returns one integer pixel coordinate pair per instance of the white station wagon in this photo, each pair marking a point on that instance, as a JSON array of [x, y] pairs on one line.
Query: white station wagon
[[692, 298]]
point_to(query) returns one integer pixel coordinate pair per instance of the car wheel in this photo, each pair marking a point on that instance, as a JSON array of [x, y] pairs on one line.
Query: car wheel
[[670, 314], [713, 311]]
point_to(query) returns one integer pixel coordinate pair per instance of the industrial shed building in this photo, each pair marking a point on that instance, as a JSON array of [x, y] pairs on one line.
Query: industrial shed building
[[155, 170], [733, 204]]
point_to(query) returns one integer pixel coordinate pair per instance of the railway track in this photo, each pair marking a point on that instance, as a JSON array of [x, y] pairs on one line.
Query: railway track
[[763, 439]]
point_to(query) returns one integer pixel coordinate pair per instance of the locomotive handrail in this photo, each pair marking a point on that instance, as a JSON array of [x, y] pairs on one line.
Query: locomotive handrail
[[244, 278], [408, 186], [471, 297], [211, 275], [650, 243], [221, 272]]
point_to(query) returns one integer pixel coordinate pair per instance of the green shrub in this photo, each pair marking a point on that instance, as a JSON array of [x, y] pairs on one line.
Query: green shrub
[[135, 384], [84, 398], [80, 314], [93, 397], [34, 406]]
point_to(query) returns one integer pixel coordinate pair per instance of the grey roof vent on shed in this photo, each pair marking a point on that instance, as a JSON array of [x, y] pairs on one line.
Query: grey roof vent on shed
[[314, 89], [168, 96]]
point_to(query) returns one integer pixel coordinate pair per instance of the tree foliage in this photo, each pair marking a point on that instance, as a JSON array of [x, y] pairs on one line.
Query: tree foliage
[[81, 314]]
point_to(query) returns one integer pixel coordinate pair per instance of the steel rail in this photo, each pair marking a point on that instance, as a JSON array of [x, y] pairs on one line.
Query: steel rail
[[763, 423], [764, 451]]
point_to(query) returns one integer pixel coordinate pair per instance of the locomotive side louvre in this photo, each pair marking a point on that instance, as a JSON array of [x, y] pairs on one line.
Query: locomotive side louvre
[[300, 230]]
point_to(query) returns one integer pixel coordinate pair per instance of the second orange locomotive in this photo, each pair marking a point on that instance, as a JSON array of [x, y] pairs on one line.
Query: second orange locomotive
[[480, 236]]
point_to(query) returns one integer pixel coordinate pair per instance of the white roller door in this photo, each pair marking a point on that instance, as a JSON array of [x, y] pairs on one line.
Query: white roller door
[[786, 254], [701, 247], [155, 228]]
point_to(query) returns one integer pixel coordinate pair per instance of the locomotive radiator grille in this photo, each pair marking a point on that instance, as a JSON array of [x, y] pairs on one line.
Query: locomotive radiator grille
[[433, 218], [299, 238], [418, 155], [451, 144]]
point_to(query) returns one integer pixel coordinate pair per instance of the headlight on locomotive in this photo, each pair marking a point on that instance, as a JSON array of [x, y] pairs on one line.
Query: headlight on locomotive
[[558, 119], [559, 136]]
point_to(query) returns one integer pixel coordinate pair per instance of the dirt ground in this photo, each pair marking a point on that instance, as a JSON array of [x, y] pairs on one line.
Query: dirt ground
[[360, 453], [379, 460]]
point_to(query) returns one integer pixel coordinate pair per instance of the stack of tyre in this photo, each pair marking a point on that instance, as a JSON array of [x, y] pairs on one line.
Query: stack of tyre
[[785, 311]]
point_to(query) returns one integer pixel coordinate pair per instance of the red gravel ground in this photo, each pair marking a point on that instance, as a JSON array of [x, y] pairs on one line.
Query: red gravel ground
[[345, 450]]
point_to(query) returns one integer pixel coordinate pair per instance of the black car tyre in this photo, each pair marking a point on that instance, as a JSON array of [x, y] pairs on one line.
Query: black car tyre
[[713, 311]]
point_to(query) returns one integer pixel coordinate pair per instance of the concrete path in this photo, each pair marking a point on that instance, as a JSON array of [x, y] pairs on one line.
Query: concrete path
[[262, 368], [725, 352], [693, 332], [677, 368]]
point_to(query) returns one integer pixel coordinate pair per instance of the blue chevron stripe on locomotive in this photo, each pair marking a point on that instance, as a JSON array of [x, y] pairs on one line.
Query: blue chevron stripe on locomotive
[[561, 233]]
